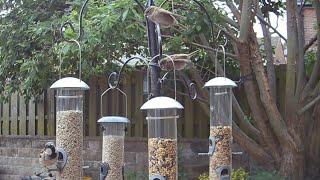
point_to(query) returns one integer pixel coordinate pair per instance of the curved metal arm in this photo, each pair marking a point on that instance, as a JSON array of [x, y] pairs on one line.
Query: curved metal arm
[[127, 61], [81, 31], [80, 57]]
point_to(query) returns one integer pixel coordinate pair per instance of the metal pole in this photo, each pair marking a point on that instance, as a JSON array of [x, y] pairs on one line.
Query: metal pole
[[153, 50]]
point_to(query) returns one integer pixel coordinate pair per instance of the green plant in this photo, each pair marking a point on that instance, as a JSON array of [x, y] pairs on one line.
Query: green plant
[[239, 174], [204, 176], [265, 175]]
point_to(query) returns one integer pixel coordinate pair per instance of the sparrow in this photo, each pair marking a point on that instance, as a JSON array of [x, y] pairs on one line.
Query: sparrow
[[161, 16], [180, 61], [48, 155]]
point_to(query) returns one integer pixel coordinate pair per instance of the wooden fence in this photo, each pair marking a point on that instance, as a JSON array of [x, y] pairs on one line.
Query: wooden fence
[[37, 117]]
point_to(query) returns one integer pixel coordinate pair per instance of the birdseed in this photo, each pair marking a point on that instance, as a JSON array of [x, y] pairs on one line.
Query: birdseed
[[70, 138], [163, 157], [113, 154], [222, 154]]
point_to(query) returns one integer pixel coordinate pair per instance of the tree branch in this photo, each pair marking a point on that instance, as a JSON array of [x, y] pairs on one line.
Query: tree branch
[[252, 147], [310, 43], [270, 66], [309, 105], [269, 25], [245, 20], [234, 10]]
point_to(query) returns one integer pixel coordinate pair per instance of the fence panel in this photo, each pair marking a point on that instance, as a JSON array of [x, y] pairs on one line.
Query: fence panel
[[38, 118]]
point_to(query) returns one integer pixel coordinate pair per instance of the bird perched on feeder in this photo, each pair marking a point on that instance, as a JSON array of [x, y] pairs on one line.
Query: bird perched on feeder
[[180, 61], [161, 16], [48, 155]]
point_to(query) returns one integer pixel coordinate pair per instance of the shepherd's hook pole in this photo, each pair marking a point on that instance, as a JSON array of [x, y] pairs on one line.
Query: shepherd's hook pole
[[154, 51]]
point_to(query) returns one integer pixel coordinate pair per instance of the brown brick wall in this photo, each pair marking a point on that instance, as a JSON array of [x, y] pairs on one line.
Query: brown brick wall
[[19, 156], [309, 23]]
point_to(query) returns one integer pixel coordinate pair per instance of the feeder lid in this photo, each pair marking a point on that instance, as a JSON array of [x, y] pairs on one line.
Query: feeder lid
[[161, 102], [70, 83], [113, 119], [220, 82]]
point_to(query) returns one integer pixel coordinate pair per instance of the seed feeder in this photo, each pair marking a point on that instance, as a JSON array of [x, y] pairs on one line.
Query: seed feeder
[[69, 114], [162, 136], [220, 127], [113, 141]]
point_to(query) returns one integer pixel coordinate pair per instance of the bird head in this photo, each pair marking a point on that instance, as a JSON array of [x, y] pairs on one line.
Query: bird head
[[50, 145], [149, 11]]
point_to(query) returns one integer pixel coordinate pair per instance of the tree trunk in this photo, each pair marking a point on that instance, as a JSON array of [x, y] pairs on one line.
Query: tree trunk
[[292, 164]]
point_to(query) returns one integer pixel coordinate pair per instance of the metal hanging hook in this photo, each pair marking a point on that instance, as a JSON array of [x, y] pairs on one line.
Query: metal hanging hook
[[79, 54], [81, 31], [106, 91], [218, 36]]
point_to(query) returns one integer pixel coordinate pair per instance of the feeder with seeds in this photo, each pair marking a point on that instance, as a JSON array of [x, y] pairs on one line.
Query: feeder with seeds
[[69, 120], [220, 128], [113, 142]]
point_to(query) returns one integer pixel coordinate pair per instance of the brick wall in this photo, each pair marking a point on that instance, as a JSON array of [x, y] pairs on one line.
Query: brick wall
[[310, 21], [19, 156]]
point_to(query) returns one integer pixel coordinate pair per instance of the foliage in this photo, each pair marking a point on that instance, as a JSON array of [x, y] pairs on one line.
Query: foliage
[[238, 174], [204, 176], [265, 175], [309, 62], [30, 40]]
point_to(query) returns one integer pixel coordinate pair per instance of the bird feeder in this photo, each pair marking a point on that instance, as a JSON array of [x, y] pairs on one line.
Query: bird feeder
[[220, 127], [113, 142], [162, 137], [69, 122]]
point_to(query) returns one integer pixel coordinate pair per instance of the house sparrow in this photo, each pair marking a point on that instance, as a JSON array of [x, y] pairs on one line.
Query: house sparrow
[[161, 16], [180, 61], [48, 156]]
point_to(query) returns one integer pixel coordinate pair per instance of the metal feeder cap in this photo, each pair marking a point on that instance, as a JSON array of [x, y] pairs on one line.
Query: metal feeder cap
[[161, 103], [70, 83], [113, 119], [220, 82]]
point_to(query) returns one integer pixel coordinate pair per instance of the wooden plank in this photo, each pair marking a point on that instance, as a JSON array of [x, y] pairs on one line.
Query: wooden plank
[[93, 107], [14, 113], [138, 117], [203, 121], [22, 116], [50, 112], [40, 115], [188, 117], [6, 119], [128, 91], [0, 119], [32, 117], [103, 84]]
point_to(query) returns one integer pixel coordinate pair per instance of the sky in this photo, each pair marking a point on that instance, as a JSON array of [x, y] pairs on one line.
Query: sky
[[281, 26]]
